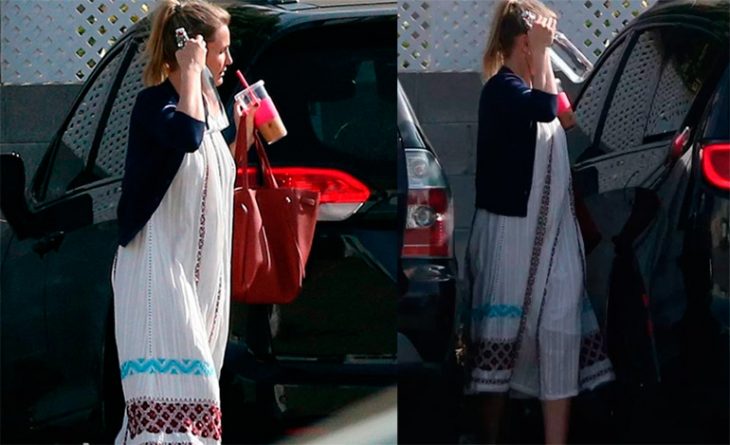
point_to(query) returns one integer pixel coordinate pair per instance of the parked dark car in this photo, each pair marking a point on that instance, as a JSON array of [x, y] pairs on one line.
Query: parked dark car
[[426, 308], [651, 161], [336, 92]]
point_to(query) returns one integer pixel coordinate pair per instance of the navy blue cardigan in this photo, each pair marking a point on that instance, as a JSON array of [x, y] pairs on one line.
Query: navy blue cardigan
[[508, 112], [159, 138]]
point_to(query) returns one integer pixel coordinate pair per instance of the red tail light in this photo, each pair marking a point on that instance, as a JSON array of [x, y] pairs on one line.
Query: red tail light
[[716, 164], [430, 218], [429, 224], [341, 194]]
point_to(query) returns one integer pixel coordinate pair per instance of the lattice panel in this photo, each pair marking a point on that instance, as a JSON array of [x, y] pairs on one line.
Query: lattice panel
[[414, 35], [61, 41], [450, 35], [112, 151]]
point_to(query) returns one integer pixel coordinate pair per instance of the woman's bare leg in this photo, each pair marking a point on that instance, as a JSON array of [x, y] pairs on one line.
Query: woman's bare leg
[[556, 417], [492, 412]]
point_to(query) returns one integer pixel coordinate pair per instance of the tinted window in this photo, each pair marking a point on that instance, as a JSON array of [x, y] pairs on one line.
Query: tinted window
[[591, 103], [109, 161], [336, 94], [665, 71], [67, 168], [718, 125], [628, 112]]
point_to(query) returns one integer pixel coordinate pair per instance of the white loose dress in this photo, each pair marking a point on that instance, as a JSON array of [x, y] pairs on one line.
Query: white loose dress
[[171, 304], [532, 328]]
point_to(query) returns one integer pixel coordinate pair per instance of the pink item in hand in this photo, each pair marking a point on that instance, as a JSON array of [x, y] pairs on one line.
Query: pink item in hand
[[563, 103]]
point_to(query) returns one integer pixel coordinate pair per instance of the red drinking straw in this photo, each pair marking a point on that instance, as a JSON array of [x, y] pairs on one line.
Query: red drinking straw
[[241, 78], [245, 85]]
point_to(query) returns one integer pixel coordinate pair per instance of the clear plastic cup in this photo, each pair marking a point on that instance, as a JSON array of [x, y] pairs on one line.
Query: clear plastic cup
[[267, 119]]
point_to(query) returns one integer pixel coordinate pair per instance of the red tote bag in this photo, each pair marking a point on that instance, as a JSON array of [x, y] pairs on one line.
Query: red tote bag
[[273, 229]]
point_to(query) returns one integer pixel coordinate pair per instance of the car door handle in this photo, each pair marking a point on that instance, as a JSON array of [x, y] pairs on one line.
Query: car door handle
[[49, 242]]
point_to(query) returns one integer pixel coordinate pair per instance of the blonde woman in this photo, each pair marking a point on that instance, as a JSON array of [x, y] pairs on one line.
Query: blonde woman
[[172, 270], [532, 329]]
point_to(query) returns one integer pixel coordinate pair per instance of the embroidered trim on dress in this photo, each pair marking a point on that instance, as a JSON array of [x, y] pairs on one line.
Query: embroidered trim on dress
[[149, 288], [536, 251], [497, 311], [200, 418], [217, 305], [201, 226], [492, 355], [592, 349], [166, 366], [490, 381], [596, 375]]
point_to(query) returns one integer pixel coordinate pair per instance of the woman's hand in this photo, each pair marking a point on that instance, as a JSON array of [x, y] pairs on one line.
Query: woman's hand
[[248, 115], [191, 61], [539, 38], [191, 57], [542, 33]]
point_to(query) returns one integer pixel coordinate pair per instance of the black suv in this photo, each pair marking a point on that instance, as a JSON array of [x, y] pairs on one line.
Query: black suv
[[651, 159], [336, 92], [426, 308]]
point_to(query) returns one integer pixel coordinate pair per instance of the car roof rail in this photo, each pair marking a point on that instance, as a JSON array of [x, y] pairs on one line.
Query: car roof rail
[[273, 2]]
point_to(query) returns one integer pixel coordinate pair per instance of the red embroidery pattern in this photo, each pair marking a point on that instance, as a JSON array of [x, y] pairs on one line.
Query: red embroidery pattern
[[592, 350], [541, 230], [492, 355], [201, 227], [153, 416]]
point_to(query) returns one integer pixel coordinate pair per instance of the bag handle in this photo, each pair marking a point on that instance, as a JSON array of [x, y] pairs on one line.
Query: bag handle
[[242, 145]]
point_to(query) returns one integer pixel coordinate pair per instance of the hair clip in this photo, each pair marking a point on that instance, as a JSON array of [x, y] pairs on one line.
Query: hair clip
[[528, 17]]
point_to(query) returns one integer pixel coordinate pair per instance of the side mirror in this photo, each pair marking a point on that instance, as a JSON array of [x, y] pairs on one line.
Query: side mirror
[[12, 195]]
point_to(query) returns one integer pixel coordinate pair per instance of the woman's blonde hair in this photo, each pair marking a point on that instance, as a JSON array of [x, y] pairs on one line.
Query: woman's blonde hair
[[196, 16], [507, 24]]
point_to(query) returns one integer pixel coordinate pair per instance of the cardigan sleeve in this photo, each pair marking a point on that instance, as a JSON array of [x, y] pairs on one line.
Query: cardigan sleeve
[[229, 133], [169, 128], [534, 104]]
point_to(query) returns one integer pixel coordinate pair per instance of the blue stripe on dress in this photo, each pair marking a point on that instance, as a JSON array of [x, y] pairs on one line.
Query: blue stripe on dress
[[166, 366], [497, 311]]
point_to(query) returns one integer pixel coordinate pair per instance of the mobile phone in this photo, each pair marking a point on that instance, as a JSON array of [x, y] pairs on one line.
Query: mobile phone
[[181, 36]]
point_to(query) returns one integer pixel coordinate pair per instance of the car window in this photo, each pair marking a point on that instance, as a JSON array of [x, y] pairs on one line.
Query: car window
[[67, 167], [336, 94], [590, 105], [718, 123], [665, 71], [109, 160]]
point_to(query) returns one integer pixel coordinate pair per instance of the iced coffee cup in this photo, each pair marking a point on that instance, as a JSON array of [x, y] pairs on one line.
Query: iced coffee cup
[[267, 119]]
